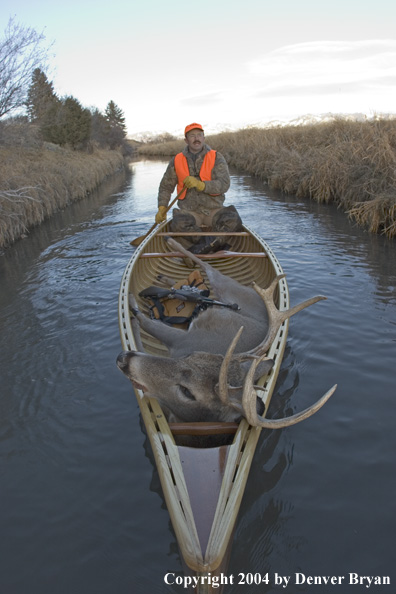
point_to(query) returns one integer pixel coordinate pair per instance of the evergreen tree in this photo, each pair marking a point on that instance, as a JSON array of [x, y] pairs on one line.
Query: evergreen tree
[[117, 127], [67, 123], [51, 127], [40, 96], [100, 128], [77, 122]]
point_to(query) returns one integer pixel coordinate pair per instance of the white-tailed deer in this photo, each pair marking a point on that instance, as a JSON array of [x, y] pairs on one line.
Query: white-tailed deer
[[213, 366]]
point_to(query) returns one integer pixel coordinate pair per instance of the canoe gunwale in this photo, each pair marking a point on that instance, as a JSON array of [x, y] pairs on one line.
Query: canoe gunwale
[[165, 450]]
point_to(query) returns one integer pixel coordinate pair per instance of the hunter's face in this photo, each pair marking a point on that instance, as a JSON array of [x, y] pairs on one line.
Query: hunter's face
[[195, 140]]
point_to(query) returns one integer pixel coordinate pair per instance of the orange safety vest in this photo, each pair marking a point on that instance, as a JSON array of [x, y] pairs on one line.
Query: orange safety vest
[[182, 170]]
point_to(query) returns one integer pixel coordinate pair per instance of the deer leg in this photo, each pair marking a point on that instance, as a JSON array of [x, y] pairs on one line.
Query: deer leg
[[136, 333], [165, 333], [223, 286], [167, 281]]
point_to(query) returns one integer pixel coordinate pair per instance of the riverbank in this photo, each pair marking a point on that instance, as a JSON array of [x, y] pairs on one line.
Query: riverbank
[[350, 163], [35, 182]]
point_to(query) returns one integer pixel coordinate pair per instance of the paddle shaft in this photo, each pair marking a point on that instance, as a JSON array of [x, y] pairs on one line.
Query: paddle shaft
[[139, 240]]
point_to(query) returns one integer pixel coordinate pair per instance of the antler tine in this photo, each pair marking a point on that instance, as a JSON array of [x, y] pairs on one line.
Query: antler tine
[[223, 384], [250, 410], [276, 317], [249, 395]]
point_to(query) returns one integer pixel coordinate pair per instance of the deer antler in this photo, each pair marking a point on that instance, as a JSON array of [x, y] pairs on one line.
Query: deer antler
[[250, 410], [249, 397], [223, 387], [275, 317], [223, 384]]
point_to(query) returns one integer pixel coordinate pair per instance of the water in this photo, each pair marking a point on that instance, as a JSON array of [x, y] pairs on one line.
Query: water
[[81, 509]]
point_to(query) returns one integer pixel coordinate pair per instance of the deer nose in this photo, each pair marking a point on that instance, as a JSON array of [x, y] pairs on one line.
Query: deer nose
[[123, 358]]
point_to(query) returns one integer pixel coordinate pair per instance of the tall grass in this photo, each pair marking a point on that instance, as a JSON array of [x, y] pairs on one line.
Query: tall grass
[[36, 182], [348, 162]]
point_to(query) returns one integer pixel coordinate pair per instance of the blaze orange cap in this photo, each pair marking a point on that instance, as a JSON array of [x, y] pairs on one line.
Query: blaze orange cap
[[194, 126]]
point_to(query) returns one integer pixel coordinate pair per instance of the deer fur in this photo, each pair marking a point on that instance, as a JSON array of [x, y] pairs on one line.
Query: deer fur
[[187, 382]]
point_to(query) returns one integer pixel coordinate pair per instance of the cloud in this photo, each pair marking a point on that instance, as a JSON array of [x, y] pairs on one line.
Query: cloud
[[202, 100], [292, 81], [369, 86], [327, 67]]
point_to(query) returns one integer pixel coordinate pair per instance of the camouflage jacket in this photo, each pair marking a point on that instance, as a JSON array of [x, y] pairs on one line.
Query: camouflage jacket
[[197, 201]]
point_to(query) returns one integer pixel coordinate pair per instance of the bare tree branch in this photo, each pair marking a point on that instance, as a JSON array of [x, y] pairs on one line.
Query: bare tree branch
[[21, 51]]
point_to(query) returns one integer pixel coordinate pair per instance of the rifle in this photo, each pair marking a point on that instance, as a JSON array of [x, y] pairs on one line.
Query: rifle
[[185, 293]]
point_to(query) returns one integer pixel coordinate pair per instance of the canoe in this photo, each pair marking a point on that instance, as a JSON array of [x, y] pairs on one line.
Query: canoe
[[202, 486]]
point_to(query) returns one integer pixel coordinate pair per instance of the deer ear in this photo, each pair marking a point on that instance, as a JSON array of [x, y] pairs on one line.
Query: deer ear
[[236, 405], [263, 368], [234, 396]]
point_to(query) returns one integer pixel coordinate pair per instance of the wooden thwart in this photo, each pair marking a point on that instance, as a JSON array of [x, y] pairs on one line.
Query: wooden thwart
[[219, 254], [202, 233], [203, 428]]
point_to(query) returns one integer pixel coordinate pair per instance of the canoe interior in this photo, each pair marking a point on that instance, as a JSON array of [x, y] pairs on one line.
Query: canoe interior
[[245, 270], [203, 487]]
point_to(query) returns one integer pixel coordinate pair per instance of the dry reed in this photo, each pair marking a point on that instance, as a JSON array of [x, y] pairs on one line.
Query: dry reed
[[351, 163], [36, 182]]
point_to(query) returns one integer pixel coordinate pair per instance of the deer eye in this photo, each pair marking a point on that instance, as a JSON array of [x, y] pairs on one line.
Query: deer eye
[[187, 393]]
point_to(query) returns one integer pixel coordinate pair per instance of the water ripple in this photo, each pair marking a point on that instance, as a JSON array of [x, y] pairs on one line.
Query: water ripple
[[84, 512]]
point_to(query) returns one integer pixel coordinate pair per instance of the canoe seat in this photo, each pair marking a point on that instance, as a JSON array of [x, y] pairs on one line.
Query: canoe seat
[[216, 255], [203, 428]]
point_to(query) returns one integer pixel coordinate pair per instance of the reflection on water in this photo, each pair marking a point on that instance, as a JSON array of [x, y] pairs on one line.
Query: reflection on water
[[81, 509]]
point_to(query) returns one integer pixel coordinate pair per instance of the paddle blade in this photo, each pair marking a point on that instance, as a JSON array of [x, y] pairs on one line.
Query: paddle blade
[[137, 241]]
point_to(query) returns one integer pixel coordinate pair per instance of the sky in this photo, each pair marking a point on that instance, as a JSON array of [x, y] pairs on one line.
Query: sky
[[226, 64]]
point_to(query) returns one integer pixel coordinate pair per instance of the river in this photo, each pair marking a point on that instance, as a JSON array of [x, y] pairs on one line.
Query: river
[[81, 508]]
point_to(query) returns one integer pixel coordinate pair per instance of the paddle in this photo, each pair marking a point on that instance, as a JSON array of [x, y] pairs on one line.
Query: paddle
[[139, 240]]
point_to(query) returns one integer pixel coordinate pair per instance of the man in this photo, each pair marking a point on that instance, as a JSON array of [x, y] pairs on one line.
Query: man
[[204, 174]]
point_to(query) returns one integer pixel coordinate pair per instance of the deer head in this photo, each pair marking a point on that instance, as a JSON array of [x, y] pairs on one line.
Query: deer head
[[207, 387]]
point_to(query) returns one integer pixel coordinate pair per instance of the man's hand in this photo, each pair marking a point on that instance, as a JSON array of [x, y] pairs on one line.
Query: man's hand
[[160, 217], [193, 182]]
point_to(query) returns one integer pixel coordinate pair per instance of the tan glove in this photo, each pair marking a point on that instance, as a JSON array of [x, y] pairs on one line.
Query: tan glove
[[193, 182], [160, 217]]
